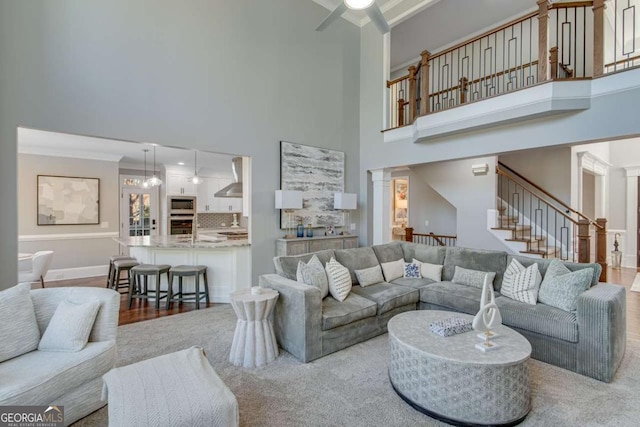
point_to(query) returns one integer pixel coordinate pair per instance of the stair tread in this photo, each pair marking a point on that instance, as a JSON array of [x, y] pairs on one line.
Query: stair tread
[[525, 240], [544, 252], [513, 227]]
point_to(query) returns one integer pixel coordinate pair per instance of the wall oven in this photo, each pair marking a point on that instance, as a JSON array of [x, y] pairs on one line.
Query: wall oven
[[180, 224], [181, 205]]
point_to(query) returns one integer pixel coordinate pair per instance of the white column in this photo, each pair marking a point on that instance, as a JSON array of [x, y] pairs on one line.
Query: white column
[[381, 206], [629, 256]]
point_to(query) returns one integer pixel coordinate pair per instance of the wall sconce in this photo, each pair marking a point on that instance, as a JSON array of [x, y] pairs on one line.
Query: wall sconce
[[480, 169], [345, 202], [288, 201]]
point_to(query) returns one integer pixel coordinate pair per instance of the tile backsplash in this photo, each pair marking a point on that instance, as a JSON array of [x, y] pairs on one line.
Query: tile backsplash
[[219, 220]]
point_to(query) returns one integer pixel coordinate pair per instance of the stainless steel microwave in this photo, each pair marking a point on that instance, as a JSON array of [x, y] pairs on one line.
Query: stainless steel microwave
[[181, 205]]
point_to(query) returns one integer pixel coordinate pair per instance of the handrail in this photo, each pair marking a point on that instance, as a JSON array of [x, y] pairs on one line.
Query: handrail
[[409, 237], [398, 80], [485, 34], [570, 5], [546, 193]]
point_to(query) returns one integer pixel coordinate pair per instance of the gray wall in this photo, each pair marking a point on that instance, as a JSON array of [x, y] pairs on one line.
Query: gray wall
[[588, 194], [69, 252], [226, 76], [622, 153]]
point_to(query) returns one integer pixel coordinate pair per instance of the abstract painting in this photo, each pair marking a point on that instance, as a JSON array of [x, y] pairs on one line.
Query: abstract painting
[[64, 200], [318, 173]]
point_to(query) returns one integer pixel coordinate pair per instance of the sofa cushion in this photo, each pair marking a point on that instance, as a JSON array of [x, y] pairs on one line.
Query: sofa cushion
[[357, 259], [70, 326], [423, 253], [393, 270], [370, 276], [388, 296], [287, 266], [388, 252], [339, 280], [39, 377], [539, 318], [19, 333], [543, 265], [354, 307], [431, 271], [475, 259], [413, 283], [561, 287], [313, 274], [521, 283], [412, 270], [453, 296], [475, 278]]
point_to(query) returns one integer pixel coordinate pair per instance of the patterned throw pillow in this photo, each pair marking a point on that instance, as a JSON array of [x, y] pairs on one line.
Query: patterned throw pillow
[[393, 270], [369, 276], [464, 276], [411, 270], [520, 283], [313, 274], [430, 271], [339, 279], [561, 288]]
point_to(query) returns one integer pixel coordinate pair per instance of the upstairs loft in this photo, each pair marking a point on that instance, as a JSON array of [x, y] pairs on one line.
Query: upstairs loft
[[550, 61]]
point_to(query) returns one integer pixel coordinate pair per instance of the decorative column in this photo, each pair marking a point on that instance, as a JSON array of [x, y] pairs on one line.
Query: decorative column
[[630, 251], [553, 62], [598, 37], [464, 87], [381, 179], [412, 94], [424, 82], [601, 247], [584, 241], [543, 37]]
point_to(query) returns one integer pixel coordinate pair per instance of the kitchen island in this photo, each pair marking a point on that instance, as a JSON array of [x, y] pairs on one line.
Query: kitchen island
[[228, 262]]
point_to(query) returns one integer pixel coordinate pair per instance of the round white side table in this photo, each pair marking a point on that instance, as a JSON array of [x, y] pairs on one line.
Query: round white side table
[[254, 342]]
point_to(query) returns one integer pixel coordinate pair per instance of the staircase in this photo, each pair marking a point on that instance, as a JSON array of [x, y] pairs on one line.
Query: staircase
[[533, 222]]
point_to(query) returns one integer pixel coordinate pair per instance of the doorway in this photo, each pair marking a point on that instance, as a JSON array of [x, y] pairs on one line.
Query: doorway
[[138, 208]]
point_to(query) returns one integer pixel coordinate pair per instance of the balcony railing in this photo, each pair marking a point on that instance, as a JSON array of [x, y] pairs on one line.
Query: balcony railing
[[571, 40]]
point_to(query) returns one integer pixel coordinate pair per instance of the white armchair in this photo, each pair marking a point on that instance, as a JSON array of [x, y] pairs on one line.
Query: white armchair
[[40, 264]]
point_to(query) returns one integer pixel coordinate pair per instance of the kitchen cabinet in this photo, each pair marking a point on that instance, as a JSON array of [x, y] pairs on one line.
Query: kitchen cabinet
[[208, 203], [181, 185], [205, 195]]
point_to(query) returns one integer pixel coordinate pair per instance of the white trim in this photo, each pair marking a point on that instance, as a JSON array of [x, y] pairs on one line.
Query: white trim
[[73, 154], [593, 163], [67, 236], [76, 273], [629, 257], [632, 171]]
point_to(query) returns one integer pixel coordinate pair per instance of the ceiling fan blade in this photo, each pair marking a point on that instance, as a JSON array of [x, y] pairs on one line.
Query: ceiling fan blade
[[376, 16], [337, 13]]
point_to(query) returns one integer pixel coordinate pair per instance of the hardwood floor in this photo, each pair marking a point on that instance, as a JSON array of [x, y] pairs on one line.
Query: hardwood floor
[[141, 310]]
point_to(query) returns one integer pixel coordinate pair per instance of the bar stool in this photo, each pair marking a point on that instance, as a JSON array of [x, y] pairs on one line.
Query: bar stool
[[182, 271], [111, 261], [118, 267], [139, 288]]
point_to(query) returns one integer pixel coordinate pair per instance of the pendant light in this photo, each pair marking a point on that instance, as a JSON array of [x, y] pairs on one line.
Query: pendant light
[[154, 180], [196, 179], [145, 183]]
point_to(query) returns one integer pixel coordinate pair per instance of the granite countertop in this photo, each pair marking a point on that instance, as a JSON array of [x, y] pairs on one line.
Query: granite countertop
[[209, 242]]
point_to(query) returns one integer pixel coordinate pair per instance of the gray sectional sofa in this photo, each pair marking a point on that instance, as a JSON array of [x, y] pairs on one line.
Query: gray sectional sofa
[[590, 341]]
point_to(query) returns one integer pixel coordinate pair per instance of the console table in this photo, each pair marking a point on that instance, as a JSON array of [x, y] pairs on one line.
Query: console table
[[304, 245]]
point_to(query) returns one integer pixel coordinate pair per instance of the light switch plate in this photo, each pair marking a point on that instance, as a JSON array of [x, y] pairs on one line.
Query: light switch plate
[[104, 224], [426, 223], [352, 227]]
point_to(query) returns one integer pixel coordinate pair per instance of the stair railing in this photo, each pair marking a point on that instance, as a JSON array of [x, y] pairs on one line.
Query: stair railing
[[549, 226], [430, 239]]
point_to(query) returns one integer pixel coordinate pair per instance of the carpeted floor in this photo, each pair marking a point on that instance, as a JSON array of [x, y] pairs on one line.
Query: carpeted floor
[[351, 388]]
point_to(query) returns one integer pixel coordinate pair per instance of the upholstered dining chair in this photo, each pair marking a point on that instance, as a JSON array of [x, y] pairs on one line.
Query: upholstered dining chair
[[40, 264]]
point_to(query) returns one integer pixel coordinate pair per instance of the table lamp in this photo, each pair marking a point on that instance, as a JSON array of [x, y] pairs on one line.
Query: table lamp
[[288, 201], [346, 202]]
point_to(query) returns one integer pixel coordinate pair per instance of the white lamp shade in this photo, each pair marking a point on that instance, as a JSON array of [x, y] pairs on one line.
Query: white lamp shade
[[345, 201], [286, 199]]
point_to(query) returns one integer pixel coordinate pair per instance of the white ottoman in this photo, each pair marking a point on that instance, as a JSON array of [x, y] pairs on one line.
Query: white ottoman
[[177, 389]]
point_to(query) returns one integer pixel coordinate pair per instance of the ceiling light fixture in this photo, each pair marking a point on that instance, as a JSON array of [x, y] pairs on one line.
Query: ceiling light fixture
[[196, 179], [145, 183], [154, 180], [358, 4], [180, 163]]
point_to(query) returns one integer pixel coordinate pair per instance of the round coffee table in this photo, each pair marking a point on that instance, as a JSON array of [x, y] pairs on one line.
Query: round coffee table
[[448, 379]]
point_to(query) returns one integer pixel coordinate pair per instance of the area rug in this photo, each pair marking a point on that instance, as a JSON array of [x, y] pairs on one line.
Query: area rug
[[635, 287], [351, 387]]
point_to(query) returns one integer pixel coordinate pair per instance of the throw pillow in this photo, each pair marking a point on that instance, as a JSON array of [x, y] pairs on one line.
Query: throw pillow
[[19, 333], [369, 276], [520, 283], [411, 270], [430, 271], [339, 279], [70, 326], [464, 276], [561, 288], [313, 274], [393, 270]]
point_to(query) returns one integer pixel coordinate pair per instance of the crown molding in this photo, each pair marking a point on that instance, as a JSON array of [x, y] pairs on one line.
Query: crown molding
[[73, 154]]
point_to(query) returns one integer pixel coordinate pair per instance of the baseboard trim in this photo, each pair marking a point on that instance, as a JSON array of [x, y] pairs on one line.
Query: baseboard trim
[[67, 236], [76, 273]]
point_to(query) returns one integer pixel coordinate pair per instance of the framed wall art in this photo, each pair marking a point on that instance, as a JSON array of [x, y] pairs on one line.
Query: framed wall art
[[400, 201], [67, 200], [318, 173]]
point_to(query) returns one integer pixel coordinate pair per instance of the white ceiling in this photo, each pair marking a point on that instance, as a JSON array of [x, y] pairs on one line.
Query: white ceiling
[[128, 154], [393, 10]]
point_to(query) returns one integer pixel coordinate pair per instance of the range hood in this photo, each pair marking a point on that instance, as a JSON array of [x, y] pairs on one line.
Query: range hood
[[234, 189]]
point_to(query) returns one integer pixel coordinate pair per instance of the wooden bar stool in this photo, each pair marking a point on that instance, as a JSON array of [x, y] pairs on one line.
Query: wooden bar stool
[[182, 271], [140, 289], [113, 259], [118, 267]]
